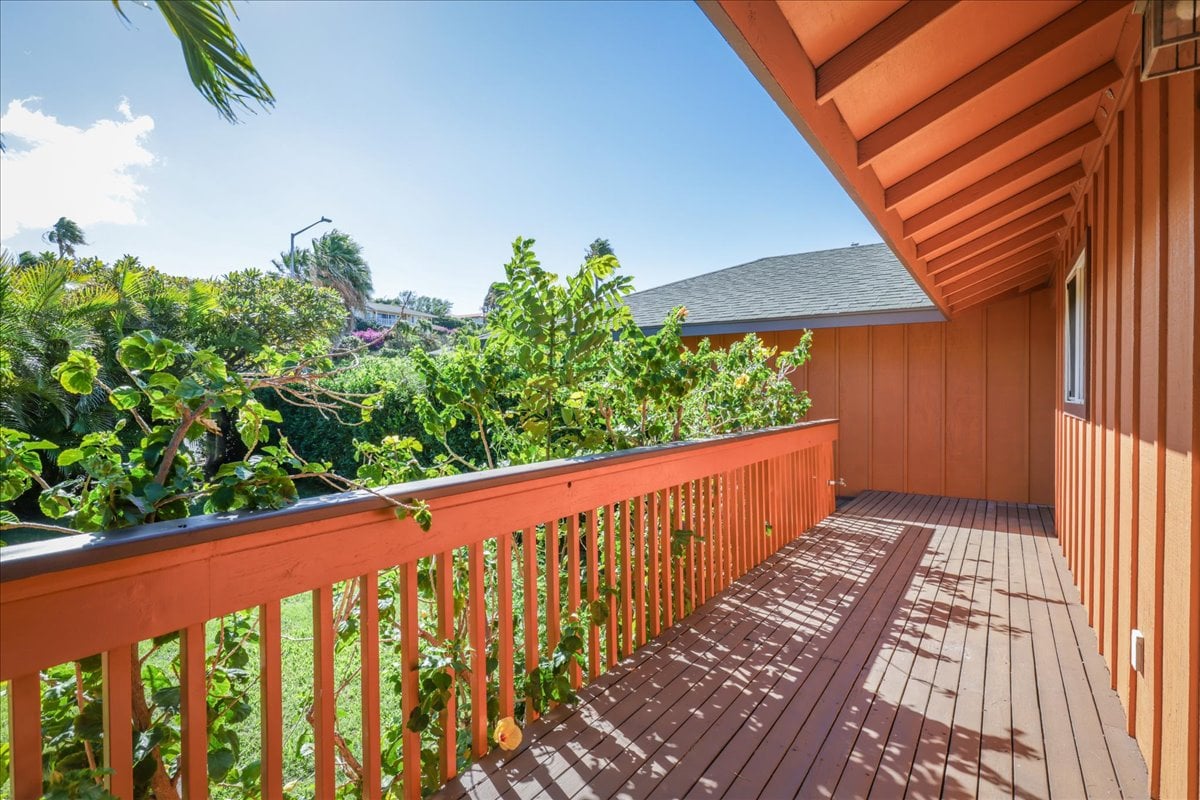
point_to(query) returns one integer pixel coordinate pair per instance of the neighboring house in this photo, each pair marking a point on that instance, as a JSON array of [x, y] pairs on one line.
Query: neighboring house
[[884, 362], [857, 285], [386, 315]]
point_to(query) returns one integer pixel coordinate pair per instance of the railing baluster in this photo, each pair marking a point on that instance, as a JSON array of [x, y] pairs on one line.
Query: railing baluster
[[409, 658], [553, 576], [25, 734], [368, 640], [679, 584], [323, 712], [448, 750], [654, 579], [194, 712], [593, 591], [792, 486], [529, 546], [722, 531], [117, 667], [270, 669], [639, 566], [477, 609], [573, 599], [735, 524], [760, 511], [504, 601], [665, 525], [610, 580], [626, 578], [689, 565], [702, 538]]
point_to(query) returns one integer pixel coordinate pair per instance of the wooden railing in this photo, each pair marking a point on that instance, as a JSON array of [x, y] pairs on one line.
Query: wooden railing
[[613, 518]]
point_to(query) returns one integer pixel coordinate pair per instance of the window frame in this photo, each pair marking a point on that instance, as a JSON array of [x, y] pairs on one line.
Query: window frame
[[1076, 283]]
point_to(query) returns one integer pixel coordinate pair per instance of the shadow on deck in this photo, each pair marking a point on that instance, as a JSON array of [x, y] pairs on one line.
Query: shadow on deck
[[907, 646]]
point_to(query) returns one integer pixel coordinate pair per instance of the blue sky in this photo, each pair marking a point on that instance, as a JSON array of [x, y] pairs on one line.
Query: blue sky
[[435, 134]]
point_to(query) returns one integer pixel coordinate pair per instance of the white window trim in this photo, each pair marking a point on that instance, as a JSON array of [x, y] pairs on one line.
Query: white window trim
[[1078, 271]]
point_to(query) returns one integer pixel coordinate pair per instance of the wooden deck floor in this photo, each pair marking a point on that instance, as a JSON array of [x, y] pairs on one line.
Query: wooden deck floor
[[909, 646]]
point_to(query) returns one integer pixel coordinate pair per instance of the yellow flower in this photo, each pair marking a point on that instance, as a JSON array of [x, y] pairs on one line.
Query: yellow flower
[[741, 380], [507, 734]]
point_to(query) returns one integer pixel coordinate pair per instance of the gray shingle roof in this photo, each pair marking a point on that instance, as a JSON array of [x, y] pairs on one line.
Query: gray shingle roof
[[800, 290]]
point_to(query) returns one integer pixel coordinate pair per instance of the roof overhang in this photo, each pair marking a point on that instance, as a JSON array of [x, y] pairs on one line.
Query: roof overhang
[[963, 130], [901, 316]]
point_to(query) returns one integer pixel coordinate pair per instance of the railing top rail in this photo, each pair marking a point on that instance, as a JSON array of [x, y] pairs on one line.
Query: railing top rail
[[68, 552]]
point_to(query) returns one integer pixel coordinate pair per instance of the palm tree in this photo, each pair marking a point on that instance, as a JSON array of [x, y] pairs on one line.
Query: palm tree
[[336, 261], [217, 62], [44, 315], [67, 234]]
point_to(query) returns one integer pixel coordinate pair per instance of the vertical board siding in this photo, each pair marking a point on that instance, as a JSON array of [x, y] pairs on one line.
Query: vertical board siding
[[1127, 499], [888, 407], [961, 408]]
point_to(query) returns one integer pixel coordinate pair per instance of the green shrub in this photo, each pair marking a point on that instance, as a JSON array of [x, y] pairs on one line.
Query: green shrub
[[315, 435]]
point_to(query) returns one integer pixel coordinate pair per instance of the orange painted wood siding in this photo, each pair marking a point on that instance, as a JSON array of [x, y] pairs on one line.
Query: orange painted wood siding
[[961, 408], [1127, 489]]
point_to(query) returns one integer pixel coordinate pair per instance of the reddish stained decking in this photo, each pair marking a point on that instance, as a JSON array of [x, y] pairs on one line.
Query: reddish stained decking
[[907, 646]]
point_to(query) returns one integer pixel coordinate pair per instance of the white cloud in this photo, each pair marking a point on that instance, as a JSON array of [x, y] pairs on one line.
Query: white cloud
[[50, 170]]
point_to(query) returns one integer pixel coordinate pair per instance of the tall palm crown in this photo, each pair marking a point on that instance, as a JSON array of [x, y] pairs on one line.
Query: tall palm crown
[[67, 235], [335, 260]]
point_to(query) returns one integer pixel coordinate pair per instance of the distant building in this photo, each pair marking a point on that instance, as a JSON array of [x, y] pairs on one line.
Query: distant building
[[385, 315]]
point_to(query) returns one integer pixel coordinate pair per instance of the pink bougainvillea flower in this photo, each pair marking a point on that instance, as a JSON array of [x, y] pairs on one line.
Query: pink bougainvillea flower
[[507, 734]]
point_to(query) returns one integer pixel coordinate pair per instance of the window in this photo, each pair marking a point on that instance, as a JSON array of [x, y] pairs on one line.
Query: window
[[1075, 334]]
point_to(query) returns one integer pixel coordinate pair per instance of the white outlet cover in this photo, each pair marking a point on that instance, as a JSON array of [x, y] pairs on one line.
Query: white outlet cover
[[1137, 649]]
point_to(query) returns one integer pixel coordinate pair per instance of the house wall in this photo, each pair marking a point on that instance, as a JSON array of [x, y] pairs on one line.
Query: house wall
[[1127, 490], [961, 408]]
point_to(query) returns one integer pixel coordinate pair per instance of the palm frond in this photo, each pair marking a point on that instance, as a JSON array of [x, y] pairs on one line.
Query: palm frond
[[217, 62]]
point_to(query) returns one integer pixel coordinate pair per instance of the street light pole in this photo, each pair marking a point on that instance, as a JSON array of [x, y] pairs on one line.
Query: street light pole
[[292, 249]]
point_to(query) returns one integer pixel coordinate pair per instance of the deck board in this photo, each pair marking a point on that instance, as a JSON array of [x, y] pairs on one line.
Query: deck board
[[907, 645]]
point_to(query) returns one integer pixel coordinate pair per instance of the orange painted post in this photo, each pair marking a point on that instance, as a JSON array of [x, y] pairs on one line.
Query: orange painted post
[[693, 560], [610, 581], [726, 543], [477, 622], [678, 522], [270, 677], [368, 641], [25, 734], [323, 713], [448, 749], [573, 598], [194, 713], [409, 656], [688, 522], [117, 667], [742, 539], [529, 546], [654, 578], [639, 565], [593, 591], [702, 591], [758, 506], [626, 579], [553, 595], [504, 633], [666, 515]]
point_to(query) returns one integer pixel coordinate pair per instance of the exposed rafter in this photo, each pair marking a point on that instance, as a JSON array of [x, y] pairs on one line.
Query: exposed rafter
[[1085, 89], [1052, 210], [998, 283], [872, 45], [976, 263], [1002, 293], [1056, 184], [1029, 50], [967, 273], [1041, 158]]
